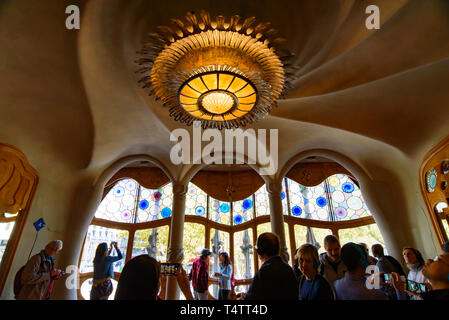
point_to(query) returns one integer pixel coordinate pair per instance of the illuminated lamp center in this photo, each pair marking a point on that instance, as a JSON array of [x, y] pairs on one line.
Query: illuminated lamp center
[[217, 102]]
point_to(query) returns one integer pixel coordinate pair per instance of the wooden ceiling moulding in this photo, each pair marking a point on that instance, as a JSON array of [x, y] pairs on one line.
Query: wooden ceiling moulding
[[148, 177], [18, 183], [312, 174], [228, 186], [436, 161]]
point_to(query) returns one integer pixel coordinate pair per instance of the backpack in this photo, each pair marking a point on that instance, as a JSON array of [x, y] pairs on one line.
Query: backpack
[[18, 280]]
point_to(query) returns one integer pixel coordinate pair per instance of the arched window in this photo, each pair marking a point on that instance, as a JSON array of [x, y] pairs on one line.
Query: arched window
[[137, 218], [333, 206]]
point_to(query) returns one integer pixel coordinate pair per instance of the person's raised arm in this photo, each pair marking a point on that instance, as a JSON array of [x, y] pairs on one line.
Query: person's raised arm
[[184, 283], [119, 255]]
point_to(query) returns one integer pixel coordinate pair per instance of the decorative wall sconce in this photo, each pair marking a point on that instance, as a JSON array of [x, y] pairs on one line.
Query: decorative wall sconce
[[431, 180]]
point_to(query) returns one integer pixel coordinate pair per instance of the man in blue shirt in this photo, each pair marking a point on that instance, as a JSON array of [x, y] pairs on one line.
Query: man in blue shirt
[[353, 285]]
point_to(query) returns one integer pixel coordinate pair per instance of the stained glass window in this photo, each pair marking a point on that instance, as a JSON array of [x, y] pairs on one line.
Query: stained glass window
[[243, 210], [151, 241], [154, 204], [196, 201], [127, 197], [120, 202], [95, 236], [243, 254], [336, 198], [315, 202], [347, 200], [295, 193], [284, 198], [220, 211], [262, 201]]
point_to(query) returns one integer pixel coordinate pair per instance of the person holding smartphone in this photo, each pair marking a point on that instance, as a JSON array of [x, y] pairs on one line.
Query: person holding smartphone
[[103, 271], [415, 264], [224, 276], [437, 271]]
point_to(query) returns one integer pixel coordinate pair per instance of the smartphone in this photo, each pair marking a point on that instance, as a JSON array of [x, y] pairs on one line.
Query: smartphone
[[387, 278], [170, 268], [416, 287]]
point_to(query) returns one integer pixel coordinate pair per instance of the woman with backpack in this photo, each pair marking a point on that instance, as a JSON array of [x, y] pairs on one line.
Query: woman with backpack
[[103, 271], [224, 276]]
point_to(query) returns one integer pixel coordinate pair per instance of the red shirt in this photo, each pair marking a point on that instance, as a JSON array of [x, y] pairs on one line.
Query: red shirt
[[199, 275]]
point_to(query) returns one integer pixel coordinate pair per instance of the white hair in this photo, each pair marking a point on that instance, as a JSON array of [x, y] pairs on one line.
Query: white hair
[[55, 244]]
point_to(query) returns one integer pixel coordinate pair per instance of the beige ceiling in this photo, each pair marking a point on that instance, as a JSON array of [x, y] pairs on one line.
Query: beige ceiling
[[374, 100]]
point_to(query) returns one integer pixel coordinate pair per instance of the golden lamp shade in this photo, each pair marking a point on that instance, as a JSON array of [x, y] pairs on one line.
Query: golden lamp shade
[[225, 74]]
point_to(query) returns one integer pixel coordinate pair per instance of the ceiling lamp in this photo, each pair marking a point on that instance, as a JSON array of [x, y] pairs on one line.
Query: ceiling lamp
[[224, 74]]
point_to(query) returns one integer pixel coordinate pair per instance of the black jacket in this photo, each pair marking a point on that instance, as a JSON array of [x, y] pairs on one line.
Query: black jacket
[[442, 294], [275, 280]]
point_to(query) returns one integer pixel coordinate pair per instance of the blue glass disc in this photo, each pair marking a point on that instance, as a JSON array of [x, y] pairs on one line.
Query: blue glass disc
[[296, 211], [347, 187], [238, 219], [200, 211], [321, 201], [166, 212], [224, 208], [247, 204], [143, 204]]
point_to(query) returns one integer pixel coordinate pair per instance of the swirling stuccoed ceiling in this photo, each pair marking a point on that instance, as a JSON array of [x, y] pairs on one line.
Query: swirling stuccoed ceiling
[[359, 92]]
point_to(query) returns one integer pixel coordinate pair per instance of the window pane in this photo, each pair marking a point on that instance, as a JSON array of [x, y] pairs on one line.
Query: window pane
[[263, 227], [96, 235], [347, 200], [243, 210], [262, 201], [151, 241], [300, 235], [219, 242], [369, 234], [196, 201], [154, 204], [320, 234], [446, 227], [5, 234], [220, 211], [120, 202], [243, 254], [296, 198], [194, 241], [284, 199], [315, 202], [287, 238]]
